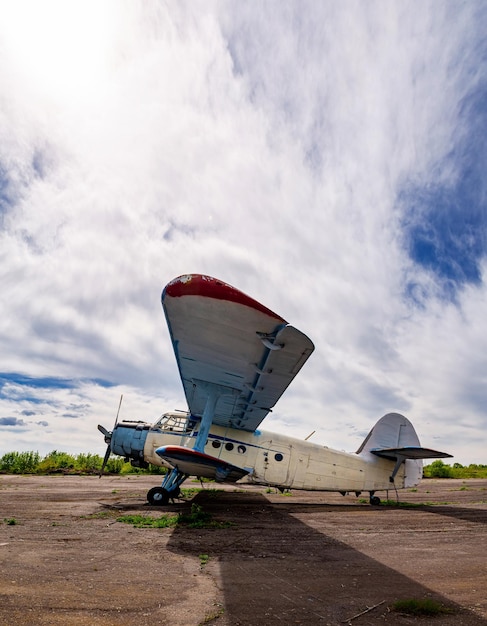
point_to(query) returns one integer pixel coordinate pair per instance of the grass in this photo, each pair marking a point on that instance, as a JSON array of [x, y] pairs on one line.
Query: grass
[[10, 521], [425, 607], [197, 518], [204, 558], [190, 492], [144, 521], [213, 615]]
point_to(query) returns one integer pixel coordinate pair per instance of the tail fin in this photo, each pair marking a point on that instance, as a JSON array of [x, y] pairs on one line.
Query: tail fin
[[393, 437]]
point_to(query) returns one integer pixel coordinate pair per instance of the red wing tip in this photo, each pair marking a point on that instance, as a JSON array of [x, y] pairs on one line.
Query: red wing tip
[[209, 287]]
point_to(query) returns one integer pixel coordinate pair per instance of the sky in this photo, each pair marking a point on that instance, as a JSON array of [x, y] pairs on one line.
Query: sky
[[328, 159]]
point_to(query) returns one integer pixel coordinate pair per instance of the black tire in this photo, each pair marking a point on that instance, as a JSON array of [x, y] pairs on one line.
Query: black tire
[[374, 500], [157, 496]]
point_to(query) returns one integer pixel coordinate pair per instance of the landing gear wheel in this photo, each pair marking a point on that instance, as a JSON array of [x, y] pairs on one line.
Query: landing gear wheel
[[374, 500], [157, 496]]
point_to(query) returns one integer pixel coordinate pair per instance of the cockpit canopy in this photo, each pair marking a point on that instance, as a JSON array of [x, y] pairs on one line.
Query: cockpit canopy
[[179, 422]]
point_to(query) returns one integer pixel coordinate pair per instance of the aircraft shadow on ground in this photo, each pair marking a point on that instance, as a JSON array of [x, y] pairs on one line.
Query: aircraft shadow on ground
[[479, 516], [275, 569]]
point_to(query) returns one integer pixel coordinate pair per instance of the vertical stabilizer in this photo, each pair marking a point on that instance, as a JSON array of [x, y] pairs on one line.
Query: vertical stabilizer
[[394, 438], [391, 431]]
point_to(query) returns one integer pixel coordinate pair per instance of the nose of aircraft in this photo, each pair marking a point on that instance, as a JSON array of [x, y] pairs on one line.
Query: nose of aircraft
[[127, 439]]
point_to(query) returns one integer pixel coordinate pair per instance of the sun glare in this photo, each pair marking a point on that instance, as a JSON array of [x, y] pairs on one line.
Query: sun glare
[[60, 48]]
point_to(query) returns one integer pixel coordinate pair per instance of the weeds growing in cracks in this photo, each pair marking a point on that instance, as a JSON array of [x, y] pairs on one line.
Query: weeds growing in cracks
[[425, 606], [197, 518]]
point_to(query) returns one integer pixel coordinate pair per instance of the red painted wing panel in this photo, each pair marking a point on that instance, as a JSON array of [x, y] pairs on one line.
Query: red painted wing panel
[[208, 287]]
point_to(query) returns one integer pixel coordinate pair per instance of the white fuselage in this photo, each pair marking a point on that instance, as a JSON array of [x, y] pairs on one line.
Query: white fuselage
[[286, 462]]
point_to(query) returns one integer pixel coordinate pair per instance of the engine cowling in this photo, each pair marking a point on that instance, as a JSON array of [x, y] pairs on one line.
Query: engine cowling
[[128, 440]]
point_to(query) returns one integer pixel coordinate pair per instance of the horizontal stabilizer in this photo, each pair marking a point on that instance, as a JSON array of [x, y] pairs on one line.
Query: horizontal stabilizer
[[410, 452], [193, 463]]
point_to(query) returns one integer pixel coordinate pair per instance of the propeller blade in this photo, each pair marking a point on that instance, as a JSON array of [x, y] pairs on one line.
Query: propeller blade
[[104, 431], [118, 412], [105, 460], [108, 438]]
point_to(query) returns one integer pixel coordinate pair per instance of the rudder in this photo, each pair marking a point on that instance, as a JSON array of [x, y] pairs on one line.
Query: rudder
[[393, 437]]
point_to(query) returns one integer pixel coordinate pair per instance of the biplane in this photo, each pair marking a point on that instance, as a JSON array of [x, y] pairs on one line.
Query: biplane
[[236, 358]]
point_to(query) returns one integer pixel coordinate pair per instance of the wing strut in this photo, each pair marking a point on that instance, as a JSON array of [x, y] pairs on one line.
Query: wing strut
[[399, 460], [214, 392]]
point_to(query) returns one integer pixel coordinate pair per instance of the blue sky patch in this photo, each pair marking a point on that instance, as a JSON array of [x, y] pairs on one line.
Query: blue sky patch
[[5, 196], [445, 223], [46, 382]]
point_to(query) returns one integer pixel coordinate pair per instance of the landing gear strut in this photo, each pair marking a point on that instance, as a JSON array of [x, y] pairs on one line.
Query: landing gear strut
[[170, 488]]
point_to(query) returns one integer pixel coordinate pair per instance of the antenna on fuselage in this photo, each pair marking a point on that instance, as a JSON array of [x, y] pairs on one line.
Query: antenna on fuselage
[[310, 435]]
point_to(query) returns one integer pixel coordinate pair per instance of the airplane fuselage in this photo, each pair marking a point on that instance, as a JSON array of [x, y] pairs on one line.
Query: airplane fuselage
[[270, 459]]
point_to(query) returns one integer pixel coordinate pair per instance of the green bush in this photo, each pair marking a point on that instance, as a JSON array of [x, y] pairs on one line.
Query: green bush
[[19, 462], [114, 465], [7, 462], [438, 469], [88, 463], [56, 462]]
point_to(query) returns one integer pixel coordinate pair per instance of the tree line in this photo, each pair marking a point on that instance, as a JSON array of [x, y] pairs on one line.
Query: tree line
[[61, 462]]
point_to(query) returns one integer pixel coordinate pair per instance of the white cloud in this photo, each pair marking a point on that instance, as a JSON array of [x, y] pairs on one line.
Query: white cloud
[[264, 144]]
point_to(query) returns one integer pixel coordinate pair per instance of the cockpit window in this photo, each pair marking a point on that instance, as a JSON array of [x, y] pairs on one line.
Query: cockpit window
[[175, 422]]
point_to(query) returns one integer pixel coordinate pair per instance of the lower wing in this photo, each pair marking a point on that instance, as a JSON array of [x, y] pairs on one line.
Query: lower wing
[[193, 463]]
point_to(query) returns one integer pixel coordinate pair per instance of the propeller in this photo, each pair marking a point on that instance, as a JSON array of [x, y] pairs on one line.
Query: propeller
[[108, 439]]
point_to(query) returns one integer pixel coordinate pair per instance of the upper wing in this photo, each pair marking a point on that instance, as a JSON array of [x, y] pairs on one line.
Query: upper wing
[[225, 340]]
